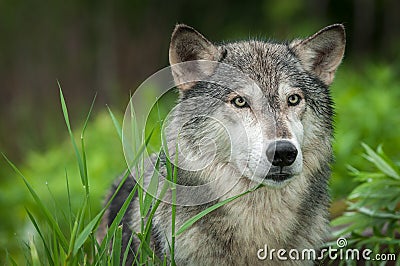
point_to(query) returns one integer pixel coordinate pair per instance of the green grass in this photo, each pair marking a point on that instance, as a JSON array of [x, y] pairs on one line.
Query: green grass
[[67, 236], [71, 241]]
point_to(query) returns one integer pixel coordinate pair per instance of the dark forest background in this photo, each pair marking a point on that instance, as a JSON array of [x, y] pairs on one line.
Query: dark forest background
[[110, 47]]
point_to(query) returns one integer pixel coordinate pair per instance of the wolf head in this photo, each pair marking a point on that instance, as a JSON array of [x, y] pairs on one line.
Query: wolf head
[[263, 108]]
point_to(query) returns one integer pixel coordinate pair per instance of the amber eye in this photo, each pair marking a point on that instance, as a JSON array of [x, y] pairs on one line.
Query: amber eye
[[239, 102], [294, 99]]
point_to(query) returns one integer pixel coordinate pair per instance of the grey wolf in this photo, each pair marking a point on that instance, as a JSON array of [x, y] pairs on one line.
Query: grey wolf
[[275, 130]]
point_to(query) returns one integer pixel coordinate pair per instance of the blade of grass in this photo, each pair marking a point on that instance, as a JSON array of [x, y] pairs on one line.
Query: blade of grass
[[116, 248], [173, 211], [128, 248], [34, 253], [71, 250], [88, 116], [147, 231], [47, 214], [151, 191], [46, 248], [84, 162], [116, 123], [135, 137], [147, 248], [139, 152], [139, 156], [10, 259], [56, 207], [70, 221], [118, 218], [66, 118], [95, 222], [80, 240], [203, 213], [57, 253]]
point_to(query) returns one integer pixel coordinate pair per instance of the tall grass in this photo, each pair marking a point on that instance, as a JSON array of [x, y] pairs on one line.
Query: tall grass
[[53, 244], [77, 245]]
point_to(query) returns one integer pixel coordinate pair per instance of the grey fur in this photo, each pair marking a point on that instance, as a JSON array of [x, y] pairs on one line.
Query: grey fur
[[291, 215]]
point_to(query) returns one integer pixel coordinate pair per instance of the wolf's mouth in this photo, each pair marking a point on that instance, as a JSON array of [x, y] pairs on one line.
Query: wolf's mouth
[[279, 177]]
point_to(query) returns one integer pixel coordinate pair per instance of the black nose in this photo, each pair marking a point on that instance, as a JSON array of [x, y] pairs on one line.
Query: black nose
[[281, 153]]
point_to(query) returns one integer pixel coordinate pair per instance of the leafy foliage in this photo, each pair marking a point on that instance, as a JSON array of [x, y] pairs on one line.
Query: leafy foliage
[[367, 111], [373, 217]]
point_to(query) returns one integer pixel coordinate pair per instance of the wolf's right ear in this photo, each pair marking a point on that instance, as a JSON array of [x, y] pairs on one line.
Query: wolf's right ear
[[322, 53], [187, 44]]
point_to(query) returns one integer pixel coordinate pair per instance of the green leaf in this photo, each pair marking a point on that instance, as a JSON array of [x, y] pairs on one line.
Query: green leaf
[[118, 218], [116, 248], [77, 242], [46, 248], [116, 123], [80, 240], [10, 259], [126, 252], [34, 253], [84, 163], [387, 159], [380, 215], [66, 118], [203, 213], [88, 116], [151, 191], [146, 249], [380, 163]]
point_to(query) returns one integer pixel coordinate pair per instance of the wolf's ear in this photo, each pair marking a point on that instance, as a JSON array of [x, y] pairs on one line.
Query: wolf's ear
[[322, 53], [187, 44]]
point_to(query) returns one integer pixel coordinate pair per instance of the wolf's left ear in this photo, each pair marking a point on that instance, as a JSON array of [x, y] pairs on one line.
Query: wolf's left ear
[[322, 53], [187, 44]]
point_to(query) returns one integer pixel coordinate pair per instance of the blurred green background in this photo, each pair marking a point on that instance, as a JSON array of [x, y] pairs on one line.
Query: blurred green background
[[110, 47]]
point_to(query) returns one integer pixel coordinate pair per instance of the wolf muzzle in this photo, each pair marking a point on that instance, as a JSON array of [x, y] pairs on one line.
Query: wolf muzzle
[[281, 154]]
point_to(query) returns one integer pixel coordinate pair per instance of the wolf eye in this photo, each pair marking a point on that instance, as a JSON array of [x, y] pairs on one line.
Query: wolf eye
[[294, 99], [239, 102]]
